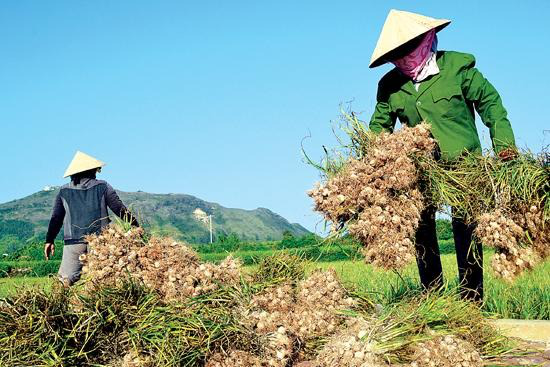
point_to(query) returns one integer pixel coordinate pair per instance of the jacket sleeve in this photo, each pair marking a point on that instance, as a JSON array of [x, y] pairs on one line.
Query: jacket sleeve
[[382, 119], [488, 104], [56, 221], [115, 204]]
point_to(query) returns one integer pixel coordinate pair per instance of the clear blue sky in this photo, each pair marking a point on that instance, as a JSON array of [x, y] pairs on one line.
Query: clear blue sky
[[212, 98]]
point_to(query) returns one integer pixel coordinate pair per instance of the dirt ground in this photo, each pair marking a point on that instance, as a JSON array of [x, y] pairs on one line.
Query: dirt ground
[[540, 356]]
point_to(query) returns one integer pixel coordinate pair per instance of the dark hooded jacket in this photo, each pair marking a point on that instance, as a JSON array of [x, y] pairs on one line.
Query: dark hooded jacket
[[81, 207]]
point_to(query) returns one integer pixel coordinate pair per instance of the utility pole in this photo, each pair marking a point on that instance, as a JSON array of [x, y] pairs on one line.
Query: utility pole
[[205, 219], [211, 237]]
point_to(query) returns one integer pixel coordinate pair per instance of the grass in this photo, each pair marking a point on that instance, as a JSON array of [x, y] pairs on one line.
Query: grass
[[10, 286], [527, 298], [31, 268]]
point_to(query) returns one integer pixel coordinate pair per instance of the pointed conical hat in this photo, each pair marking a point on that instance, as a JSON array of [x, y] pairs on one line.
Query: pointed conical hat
[[82, 162], [401, 27]]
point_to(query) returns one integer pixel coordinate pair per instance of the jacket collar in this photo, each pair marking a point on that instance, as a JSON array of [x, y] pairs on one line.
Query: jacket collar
[[408, 86], [85, 183]]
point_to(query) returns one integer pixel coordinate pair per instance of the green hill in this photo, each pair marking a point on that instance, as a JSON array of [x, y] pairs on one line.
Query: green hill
[[166, 214]]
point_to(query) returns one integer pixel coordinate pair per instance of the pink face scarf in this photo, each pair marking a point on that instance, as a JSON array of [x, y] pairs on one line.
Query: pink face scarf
[[412, 64]]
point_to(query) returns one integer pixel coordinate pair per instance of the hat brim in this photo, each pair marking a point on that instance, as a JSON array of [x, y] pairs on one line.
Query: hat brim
[[382, 59], [72, 173]]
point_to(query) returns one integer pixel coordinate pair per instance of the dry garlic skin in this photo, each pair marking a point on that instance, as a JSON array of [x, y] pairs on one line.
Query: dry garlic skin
[[169, 267], [520, 239], [377, 198]]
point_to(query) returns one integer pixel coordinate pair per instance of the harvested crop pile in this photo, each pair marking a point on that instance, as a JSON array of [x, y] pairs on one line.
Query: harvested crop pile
[[41, 328], [169, 267], [298, 310], [278, 351], [448, 351], [271, 308], [234, 358], [126, 319], [133, 359], [376, 186], [320, 299], [350, 348], [429, 330], [309, 310]]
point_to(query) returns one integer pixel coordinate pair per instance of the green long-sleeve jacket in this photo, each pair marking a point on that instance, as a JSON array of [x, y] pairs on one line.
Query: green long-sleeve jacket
[[446, 101]]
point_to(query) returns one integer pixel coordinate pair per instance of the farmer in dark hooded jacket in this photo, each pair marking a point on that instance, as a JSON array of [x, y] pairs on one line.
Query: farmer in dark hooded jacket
[[81, 207], [443, 88]]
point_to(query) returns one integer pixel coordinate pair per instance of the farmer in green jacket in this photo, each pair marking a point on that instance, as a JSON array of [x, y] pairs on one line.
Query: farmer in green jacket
[[443, 88]]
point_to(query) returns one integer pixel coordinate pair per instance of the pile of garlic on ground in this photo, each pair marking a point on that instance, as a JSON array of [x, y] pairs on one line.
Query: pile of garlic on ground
[[162, 264], [284, 317]]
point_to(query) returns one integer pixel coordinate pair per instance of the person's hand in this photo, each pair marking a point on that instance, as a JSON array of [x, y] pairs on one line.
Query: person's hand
[[49, 250], [508, 154]]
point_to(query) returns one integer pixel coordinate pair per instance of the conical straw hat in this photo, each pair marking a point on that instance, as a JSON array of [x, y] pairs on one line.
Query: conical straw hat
[[82, 162], [401, 27]]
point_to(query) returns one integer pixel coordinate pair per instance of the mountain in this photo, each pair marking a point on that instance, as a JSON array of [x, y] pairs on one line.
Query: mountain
[[165, 214]]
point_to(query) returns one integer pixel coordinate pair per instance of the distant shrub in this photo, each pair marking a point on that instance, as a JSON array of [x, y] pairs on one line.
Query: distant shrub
[[444, 229], [230, 242], [447, 246], [290, 241], [34, 250], [5, 269], [17, 228]]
